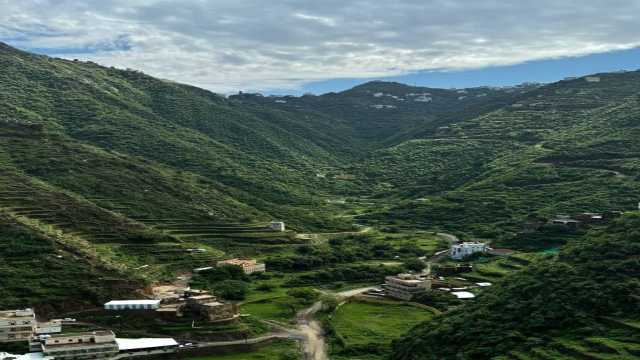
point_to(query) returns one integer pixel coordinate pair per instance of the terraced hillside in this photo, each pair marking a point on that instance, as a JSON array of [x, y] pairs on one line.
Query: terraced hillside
[[582, 304], [568, 147], [263, 157]]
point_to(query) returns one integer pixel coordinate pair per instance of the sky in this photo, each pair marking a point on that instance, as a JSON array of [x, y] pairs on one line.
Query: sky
[[296, 46]]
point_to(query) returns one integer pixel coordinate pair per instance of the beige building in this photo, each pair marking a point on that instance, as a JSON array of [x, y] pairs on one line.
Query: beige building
[[198, 304], [249, 266], [17, 325], [80, 346], [406, 286]]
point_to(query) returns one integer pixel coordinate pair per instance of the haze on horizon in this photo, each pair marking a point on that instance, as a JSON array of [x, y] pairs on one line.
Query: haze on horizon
[[290, 46]]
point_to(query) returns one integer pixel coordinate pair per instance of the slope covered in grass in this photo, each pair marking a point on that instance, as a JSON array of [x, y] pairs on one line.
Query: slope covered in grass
[[563, 304]]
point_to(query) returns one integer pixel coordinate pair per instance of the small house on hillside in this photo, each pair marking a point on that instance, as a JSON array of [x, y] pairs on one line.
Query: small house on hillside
[[277, 226], [249, 266]]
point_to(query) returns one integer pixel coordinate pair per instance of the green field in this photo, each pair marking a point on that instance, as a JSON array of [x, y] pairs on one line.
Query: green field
[[278, 350], [367, 329]]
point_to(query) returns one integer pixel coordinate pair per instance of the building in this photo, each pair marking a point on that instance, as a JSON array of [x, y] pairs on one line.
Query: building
[[566, 221], [50, 327], [454, 269], [17, 325], [406, 286], [89, 345], [592, 79], [132, 305], [133, 346], [590, 218], [249, 266], [463, 295], [461, 251], [277, 226], [201, 305]]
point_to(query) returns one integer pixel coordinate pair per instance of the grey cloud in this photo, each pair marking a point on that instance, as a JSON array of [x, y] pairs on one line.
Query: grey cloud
[[287, 42]]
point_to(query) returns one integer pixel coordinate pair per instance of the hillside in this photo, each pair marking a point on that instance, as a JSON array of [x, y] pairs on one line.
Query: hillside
[[111, 178], [567, 147], [582, 304], [380, 114], [185, 131]]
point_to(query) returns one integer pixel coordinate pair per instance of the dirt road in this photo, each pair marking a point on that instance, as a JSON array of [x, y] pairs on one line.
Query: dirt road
[[313, 341]]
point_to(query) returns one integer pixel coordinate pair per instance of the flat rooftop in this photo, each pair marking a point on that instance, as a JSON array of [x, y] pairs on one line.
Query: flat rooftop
[[133, 302], [12, 314], [144, 343]]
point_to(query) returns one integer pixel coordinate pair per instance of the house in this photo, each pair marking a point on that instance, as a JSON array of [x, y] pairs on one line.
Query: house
[[87, 345], [277, 226], [17, 325], [590, 218], [461, 251], [132, 305], [453, 270], [249, 266], [199, 304], [593, 79], [406, 286], [565, 221]]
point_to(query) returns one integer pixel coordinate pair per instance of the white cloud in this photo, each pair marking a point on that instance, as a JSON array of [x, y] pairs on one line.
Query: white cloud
[[227, 45]]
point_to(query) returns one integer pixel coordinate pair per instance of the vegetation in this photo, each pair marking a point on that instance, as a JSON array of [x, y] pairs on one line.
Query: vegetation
[[548, 305], [111, 180], [278, 350], [360, 329]]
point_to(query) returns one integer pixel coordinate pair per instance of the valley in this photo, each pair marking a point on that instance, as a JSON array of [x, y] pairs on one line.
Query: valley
[[115, 185]]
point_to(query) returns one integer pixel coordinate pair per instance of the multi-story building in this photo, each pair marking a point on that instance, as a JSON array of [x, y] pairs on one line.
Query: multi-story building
[[249, 266], [406, 286], [17, 325], [49, 327], [89, 345], [461, 251]]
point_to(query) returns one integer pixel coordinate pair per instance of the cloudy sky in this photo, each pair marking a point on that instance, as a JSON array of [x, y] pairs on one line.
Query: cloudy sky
[[230, 45]]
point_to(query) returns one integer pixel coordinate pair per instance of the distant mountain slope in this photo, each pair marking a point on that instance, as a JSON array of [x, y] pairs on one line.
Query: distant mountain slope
[[584, 304], [567, 147], [383, 113]]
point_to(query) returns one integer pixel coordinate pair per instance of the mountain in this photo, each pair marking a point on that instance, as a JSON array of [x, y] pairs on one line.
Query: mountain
[[566, 147], [385, 113], [581, 304], [111, 177]]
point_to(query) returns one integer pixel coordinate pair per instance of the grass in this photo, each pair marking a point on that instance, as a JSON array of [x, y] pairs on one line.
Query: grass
[[277, 350], [362, 329]]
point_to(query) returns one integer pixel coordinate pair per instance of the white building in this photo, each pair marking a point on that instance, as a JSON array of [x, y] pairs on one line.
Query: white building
[[132, 305], [17, 325], [277, 226], [461, 251], [592, 79]]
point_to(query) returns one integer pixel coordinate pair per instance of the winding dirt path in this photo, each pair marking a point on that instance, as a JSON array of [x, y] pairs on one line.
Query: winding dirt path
[[310, 331]]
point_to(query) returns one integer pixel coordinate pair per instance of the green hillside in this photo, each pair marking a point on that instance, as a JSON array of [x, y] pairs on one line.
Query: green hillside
[[109, 179], [582, 304], [568, 147]]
